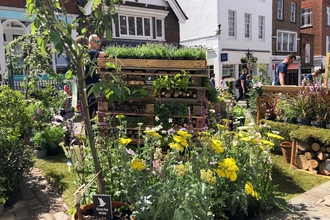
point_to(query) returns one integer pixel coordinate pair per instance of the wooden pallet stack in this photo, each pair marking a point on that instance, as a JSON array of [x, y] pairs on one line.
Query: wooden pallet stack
[[141, 73]]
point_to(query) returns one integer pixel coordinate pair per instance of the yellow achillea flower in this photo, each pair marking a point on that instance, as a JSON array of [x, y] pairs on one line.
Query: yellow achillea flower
[[246, 139], [176, 146], [208, 177], [249, 190], [275, 136], [261, 147], [181, 140], [243, 134], [180, 170], [227, 169], [120, 116], [124, 140], [152, 133], [138, 164], [265, 142], [183, 133], [255, 141], [221, 127], [217, 146]]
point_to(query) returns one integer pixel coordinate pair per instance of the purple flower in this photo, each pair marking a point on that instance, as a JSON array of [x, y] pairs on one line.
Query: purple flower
[[171, 131], [39, 111], [183, 129]]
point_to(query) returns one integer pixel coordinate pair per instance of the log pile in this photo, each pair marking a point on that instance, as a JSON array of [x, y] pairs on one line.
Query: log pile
[[313, 157]]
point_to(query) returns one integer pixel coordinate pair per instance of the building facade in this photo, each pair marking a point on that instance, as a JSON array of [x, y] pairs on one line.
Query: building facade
[[14, 23], [286, 37], [229, 29]]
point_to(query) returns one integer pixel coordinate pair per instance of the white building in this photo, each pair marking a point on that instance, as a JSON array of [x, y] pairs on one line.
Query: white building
[[245, 26]]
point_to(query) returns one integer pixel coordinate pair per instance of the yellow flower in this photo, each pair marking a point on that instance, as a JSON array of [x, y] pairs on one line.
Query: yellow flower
[[152, 133], [138, 164], [181, 140], [265, 142], [124, 140], [120, 116], [275, 136], [176, 146], [180, 170], [217, 146], [246, 139], [261, 147], [208, 177], [249, 190], [183, 133], [221, 127], [227, 169], [255, 141]]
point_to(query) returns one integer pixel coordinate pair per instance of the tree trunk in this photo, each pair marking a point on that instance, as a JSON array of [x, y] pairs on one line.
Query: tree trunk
[[302, 162], [313, 163], [310, 155], [303, 146], [315, 146], [88, 126]]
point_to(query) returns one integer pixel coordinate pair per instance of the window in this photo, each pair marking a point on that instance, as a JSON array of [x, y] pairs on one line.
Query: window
[[286, 41], [228, 71], [307, 53], [247, 26], [261, 28], [306, 17], [231, 23], [137, 26], [280, 9], [328, 16], [159, 28], [327, 44], [210, 70], [293, 12]]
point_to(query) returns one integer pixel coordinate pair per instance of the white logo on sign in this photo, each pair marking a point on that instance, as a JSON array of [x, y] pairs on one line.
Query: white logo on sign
[[102, 203]]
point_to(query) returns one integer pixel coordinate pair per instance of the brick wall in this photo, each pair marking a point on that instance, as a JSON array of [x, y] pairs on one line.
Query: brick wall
[[172, 27], [71, 5], [307, 39]]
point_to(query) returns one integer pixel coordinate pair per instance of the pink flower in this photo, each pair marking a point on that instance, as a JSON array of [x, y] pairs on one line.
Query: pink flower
[[130, 151]]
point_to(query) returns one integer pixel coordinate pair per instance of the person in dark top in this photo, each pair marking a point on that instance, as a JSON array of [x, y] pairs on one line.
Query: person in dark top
[[212, 81], [94, 44], [309, 78], [242, 88], [281, 73], [249, 85]]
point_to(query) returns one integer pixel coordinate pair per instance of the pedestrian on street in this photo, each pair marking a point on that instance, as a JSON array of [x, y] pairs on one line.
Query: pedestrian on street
[[309, 78], [212, 81], [281, 73], [242, 88]]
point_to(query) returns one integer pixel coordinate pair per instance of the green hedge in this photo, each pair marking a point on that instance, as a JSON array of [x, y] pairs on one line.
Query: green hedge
[[284, 129]]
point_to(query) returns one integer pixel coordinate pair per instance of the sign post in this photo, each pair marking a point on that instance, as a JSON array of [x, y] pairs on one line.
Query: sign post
[[102, 206]]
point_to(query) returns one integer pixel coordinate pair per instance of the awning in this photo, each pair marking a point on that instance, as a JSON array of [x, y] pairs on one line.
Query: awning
[[294, 66]]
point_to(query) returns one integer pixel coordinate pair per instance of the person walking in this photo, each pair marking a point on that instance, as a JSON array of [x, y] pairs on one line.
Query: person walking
[[309, 78], [242, 88], [94, 52], [223, 85], [249, 85], [281, 73], [212, 81]]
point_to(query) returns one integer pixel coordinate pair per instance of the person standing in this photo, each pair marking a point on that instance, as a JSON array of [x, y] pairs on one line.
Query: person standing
[[223, 86], [309, 78], [281, 73], [249, 85], [94, 44], [212, 81], [242, 88]]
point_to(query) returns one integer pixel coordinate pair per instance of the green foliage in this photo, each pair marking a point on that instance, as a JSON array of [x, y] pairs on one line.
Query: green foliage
[[212, 95], [13, 111], [239, 111], [138, 93], [164, 111], [180, 81], [48, 138], [308, 134], [303, 104], [3, 190], [156, 51]]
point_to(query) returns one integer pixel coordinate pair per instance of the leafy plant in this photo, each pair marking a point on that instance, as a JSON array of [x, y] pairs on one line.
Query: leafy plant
[[3, 196], [165, 111], [48, 138], [302, 105]]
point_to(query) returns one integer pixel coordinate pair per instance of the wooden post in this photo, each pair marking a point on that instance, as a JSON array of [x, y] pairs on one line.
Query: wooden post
[[293, 154], [326, 71]]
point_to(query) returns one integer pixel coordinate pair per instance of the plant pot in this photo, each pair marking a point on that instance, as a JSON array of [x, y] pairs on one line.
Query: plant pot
[[2, 209], [41, 153], [88, 209], [319, 124], [13, 196], [301, 121], [286, 150]]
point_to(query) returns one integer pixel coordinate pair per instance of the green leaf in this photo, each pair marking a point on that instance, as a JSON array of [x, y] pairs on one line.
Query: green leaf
[[110, 65], [97, 88], [82, 9], [54, 37]]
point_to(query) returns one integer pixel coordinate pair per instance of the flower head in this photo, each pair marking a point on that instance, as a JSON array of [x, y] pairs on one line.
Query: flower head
[[137, 164]]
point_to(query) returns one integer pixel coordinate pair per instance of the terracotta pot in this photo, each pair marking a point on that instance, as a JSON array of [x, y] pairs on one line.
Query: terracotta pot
[[286, 150], [88, 207]]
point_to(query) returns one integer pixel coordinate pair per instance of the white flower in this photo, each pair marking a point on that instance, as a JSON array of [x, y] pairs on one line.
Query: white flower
[[164, 132], [170, 120], [156, 118], [275, 132], [212, 110]]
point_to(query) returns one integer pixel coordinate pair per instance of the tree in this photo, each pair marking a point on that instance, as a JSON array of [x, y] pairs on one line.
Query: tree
[[51, 25]]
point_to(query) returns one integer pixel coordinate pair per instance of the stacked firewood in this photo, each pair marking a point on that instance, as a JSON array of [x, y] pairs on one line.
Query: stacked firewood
[[313, 157]]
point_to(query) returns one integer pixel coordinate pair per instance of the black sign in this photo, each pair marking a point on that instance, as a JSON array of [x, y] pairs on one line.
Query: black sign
[[306, 70], [102, 206], [148, 80], [224, 57]]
